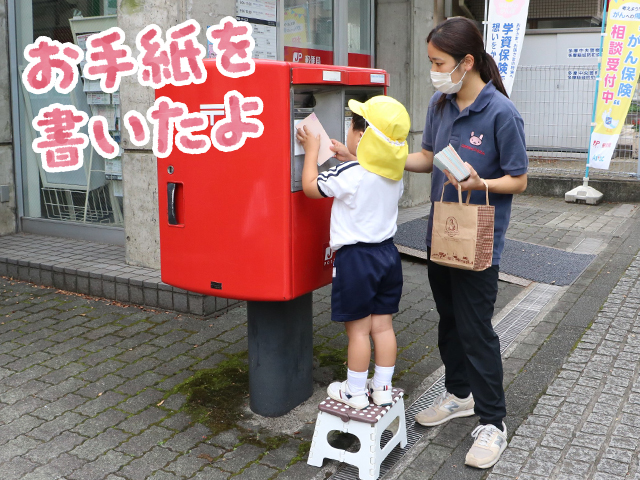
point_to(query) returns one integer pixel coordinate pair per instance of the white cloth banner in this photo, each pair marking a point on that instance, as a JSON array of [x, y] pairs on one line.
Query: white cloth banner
[[505, 34], [602, 148]]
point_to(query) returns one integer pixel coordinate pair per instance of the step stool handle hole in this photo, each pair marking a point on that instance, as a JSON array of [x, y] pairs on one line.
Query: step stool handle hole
[[389, 432], [343, 441]]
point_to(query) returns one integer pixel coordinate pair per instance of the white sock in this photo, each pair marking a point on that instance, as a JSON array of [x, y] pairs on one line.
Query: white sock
[[382, 376], [356, 381]]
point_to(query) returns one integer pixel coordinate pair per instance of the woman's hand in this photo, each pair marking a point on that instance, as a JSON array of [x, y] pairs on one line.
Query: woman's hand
[[341, 151], [420, 162], [506, 184], [309, 142], [474, 182]]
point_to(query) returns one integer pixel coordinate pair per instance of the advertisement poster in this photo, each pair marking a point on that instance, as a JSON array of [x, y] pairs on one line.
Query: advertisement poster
[[295, 26], [617, 81], [505, 34]]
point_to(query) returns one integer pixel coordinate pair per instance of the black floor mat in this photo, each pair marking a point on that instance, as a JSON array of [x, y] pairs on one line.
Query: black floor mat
[[521, 259]]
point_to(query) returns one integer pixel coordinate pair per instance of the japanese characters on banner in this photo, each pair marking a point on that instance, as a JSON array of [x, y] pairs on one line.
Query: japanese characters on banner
[[507, 23], [178, 61], [618, 78]]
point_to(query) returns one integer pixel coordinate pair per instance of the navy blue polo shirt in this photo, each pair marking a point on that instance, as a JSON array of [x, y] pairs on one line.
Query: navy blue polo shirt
[[489, 134]]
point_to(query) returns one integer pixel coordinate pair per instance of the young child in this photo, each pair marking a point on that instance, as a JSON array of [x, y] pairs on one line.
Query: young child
[[367, 274]]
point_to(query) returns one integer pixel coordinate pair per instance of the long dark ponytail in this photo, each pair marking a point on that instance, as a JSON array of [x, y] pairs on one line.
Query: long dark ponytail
[[460, 37]]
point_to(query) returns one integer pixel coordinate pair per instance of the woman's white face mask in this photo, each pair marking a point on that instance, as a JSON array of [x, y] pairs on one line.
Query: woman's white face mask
[[442, 81]]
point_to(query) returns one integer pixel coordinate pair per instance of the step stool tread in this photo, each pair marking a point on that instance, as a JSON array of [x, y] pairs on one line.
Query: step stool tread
[[372, 414]]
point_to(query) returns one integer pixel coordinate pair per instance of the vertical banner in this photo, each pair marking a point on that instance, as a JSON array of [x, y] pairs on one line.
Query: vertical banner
[[507, 23], [618, 78]]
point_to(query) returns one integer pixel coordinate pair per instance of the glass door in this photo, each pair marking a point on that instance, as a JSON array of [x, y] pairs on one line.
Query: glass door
[[308, 31], [359, 33], [93, 193]]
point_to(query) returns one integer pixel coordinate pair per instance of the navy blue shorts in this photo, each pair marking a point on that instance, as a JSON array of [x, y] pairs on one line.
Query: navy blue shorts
[[367, 280]]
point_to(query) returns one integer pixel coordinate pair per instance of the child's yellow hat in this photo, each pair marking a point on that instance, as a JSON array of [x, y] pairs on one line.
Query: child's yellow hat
[[383, 148]]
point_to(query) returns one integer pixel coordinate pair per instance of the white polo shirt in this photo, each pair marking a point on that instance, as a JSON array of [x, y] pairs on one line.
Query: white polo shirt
[[365, 208]]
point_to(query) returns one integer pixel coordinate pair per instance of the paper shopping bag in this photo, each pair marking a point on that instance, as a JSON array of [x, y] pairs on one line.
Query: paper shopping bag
[[462, 235]]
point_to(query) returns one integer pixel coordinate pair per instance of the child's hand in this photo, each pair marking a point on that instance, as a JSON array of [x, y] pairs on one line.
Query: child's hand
[[341, 151], [309, 142]]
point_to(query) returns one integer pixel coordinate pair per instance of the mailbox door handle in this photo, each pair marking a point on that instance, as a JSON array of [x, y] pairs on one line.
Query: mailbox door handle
[[171, 203]]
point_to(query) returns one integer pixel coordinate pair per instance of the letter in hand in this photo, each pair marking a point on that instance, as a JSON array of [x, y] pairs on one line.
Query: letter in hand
[[310, 143], [341, 151]]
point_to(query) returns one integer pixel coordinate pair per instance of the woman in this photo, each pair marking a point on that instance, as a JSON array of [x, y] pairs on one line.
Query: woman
[[472, 112]]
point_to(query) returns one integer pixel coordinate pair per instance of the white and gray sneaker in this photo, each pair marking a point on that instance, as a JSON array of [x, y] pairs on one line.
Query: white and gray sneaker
[[445, 407], [340, 392], [381, 396], [489, 444]]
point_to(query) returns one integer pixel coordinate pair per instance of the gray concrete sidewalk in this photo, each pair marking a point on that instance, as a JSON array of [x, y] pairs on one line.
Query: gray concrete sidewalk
[[613, 231], [587, 424], [90, 388]]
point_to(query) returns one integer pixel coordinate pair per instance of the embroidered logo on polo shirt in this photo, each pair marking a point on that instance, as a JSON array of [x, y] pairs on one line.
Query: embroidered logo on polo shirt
[[474, 140]]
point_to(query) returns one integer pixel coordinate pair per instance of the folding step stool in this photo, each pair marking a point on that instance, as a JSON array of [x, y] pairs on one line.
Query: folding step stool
[[367, 425]]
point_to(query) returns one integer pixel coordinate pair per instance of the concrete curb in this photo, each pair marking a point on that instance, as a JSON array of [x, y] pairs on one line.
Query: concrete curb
[[614, 190]]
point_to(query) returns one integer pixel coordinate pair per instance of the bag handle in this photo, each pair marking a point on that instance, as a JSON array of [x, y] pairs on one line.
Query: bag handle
[[486, 186], [459, 192]]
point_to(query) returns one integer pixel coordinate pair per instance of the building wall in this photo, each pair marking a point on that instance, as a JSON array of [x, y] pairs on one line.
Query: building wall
[[556, 108], [139, 165], [402, 27], [565, 8], [400, 50], [7, 177], [546, 8], [553, 48]]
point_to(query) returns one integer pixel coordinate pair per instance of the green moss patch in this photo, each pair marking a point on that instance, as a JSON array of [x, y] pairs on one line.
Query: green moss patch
[[263, 441], [215, 396], [303, 452], [333, 358]]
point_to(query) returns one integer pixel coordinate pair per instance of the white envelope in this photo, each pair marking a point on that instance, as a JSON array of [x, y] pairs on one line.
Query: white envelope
[[315, 128]]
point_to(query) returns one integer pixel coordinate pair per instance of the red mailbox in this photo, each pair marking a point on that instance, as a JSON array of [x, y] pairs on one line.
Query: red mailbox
[[237, 224]]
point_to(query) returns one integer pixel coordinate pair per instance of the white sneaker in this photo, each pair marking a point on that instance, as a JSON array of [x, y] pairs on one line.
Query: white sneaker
[[489, 444], [445, 407], [340, 392], [381, 396]]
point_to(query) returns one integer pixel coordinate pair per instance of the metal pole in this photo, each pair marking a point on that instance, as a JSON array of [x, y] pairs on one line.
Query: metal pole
[[14, 79], [280, 29], [448, 8], [638, 170], [372, 34], [438, 16], [486, 23], [280, 338], [595, 95], [340, 33]]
